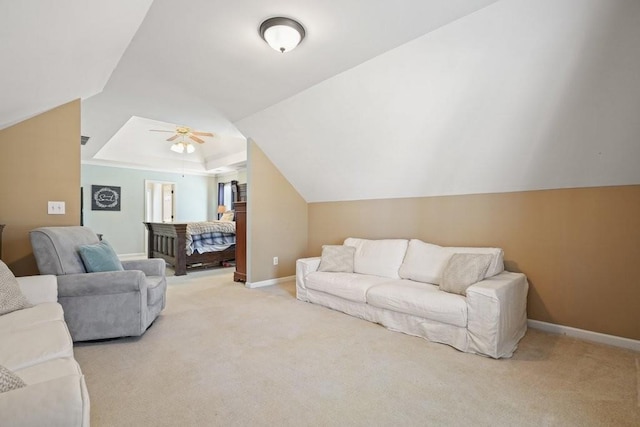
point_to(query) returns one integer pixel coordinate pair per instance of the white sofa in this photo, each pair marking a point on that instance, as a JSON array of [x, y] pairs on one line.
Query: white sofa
[[396, 283], [37, 347]]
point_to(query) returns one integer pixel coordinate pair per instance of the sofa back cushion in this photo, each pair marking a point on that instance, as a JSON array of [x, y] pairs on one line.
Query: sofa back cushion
[[378, 257], [426, 262]]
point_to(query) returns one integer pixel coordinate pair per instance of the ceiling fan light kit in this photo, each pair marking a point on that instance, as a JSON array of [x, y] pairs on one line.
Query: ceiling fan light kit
[[181, 147], [282, 34], [182, 132]]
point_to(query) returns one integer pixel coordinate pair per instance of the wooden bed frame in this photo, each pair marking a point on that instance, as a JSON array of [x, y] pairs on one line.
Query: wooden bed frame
[[168, 241]]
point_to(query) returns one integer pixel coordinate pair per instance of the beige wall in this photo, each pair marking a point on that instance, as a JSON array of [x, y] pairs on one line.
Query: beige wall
[[277, 220], [580, 248], [39, 161]]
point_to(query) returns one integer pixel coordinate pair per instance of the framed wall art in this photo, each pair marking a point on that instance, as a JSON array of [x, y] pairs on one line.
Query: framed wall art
[[105, 198]]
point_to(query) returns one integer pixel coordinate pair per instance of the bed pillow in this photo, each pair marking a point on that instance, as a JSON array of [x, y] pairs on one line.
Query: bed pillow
[[9, 380], [227, 216], [11, 297], [463, 270], [337, 259], [99, 257]]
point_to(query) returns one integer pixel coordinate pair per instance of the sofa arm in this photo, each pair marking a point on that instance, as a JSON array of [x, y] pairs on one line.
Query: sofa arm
[[102, 283], [497, 314], [150, 267], [39, 289], [304, 266], [62, 401]]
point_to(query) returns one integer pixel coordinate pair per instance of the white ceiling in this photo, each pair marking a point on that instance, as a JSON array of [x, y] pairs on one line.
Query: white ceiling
[[521, 95], [55, 52], [198, 63], [137, 145]]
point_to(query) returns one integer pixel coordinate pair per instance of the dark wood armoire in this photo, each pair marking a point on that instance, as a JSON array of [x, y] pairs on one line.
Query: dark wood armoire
[[240, 275]]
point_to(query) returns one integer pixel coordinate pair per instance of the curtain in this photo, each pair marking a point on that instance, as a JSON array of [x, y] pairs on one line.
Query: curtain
[[220, 197]]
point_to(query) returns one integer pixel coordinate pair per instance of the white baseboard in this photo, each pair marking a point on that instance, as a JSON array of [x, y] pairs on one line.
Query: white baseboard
[[130, 257], [269, 282], [585, 335]]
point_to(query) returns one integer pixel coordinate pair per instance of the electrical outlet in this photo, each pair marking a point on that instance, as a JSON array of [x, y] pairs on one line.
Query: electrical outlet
[[56, 208], [275, 260]]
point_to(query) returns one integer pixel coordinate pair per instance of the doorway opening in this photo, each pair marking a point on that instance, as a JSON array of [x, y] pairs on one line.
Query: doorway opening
[[159, 204]]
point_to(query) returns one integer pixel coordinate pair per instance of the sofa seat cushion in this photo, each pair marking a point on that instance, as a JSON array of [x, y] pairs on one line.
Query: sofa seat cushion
[[421, 300], [155, 289], [26, 318], [350, 286], [46, 371], [35, 344]]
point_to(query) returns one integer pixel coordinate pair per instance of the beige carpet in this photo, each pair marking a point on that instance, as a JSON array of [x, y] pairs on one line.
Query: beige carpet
[[222, 354]]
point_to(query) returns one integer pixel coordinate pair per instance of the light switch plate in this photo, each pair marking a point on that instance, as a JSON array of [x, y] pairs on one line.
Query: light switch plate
[[56, 208]]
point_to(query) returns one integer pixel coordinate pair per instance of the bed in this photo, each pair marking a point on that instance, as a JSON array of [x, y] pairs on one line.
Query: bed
[[192, 245]]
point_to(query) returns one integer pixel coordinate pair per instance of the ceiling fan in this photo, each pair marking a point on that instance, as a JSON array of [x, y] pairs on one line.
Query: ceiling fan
[[183, 132]]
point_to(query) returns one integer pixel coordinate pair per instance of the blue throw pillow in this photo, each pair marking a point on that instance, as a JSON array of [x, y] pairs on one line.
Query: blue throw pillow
[[99, 257]]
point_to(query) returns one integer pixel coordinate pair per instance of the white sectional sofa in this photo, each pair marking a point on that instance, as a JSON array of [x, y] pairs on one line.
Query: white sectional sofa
[[35, 345], [398, 284]]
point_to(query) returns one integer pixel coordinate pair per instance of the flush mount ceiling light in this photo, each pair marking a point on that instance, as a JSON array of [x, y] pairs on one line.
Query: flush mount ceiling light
[[282, 34]]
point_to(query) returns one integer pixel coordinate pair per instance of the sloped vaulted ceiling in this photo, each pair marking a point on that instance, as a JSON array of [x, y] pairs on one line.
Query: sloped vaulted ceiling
[[382, 99], [198, 63], [521, 95], [56, 51], [201, 63]]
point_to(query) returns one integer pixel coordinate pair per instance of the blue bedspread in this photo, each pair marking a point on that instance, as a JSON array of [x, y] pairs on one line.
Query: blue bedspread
[[210, 236], [211, 242]]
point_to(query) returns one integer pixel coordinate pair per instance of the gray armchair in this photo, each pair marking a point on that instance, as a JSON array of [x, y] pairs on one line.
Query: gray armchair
[[104, 304]]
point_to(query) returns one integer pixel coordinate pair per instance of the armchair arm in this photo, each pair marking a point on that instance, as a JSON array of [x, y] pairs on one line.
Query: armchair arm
[[102, 283], [39, 289], [304, 267], [497, 313], [150, 267]]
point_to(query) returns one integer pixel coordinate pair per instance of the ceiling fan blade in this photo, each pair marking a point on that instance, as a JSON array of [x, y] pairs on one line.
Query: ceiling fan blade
[[196, 139], [173, 138], [202, 133], [158, 130]]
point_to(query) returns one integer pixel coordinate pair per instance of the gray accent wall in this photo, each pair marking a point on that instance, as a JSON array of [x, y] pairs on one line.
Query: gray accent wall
[[124, 229]]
